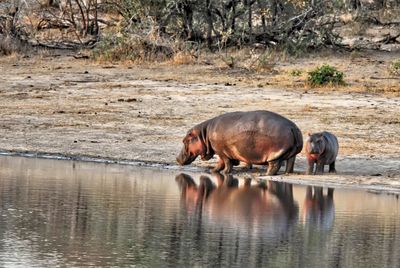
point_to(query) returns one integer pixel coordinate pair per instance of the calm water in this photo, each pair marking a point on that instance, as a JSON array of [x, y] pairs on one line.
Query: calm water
[[74, 214]]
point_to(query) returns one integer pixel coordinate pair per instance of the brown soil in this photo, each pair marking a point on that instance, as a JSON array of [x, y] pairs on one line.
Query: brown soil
[[60, 105]]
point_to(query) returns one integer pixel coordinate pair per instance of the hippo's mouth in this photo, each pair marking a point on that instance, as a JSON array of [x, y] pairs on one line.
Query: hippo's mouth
[[206, 157], [190, 159], [185, 159], [314, 155]]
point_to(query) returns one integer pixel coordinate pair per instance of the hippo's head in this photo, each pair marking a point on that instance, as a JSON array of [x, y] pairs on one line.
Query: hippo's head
[[193, 146], [316, 143]]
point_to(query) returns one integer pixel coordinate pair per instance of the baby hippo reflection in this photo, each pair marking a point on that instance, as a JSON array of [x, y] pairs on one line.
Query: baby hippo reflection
[[318, 210], [270, 208]]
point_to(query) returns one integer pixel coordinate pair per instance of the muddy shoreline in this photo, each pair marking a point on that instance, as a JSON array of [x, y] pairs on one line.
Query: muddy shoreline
[[72, 109]]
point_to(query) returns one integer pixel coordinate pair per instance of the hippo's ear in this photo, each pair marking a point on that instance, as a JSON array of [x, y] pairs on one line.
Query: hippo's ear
[[206, 142], [188, 136]]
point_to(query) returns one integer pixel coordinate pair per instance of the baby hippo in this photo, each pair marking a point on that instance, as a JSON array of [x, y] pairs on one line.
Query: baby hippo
[[322, 149]]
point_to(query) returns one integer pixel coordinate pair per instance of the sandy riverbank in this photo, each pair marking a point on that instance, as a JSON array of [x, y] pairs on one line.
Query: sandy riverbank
[[63, 106]]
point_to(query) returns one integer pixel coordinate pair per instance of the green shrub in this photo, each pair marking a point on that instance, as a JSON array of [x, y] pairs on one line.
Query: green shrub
[[394, 67], [325, 75], [295, 72]]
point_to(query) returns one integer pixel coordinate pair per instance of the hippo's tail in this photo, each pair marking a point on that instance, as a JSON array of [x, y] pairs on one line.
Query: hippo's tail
[[298, 140], [291, 151], [297, 143]]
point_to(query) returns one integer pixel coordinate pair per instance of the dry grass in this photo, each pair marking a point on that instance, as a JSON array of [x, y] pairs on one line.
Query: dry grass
[[182, 58], [308, 109], [258, 60], [13, 57], [394, 68], [9, 45], [365, 72]]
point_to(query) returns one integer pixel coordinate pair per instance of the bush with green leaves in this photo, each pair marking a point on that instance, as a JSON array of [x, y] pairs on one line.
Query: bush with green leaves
[[325, 75], [295, 72], [394, 67]]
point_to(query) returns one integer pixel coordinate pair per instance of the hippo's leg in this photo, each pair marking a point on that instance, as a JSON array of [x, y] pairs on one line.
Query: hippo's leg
[[290, 165], [318, 192], [330, 192], [310, 169], [228, 166], [235, 162], [332, 167], [220, 178], [220, 166], [319, 170], [230, 181], [273, 167]]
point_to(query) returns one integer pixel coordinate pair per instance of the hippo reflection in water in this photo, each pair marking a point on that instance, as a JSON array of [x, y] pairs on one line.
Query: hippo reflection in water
[[318, 209], [271, 209]]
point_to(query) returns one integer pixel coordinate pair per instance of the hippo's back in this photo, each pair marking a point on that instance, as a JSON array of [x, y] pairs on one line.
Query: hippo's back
[[257, 136], [255, 121], [332, 145]]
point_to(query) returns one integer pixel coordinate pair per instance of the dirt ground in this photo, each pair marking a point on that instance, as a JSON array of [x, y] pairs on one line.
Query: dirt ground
[[60, 105]]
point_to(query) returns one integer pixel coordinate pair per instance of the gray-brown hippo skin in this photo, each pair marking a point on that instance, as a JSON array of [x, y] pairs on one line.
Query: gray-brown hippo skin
[[321, 149], [257, 137]]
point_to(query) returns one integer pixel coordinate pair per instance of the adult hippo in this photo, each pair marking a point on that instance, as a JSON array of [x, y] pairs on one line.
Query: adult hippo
[[257, 137]]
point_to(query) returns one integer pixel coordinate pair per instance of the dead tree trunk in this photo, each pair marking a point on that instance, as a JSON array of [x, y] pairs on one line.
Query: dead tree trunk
[[96, 22], [250, 19], [188, 18], [233, 21], [262, 9], [249, 4], [209, 23], [84, 25]]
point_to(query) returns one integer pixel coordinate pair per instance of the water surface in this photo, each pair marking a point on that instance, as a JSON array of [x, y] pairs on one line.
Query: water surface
[[65, 213]]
